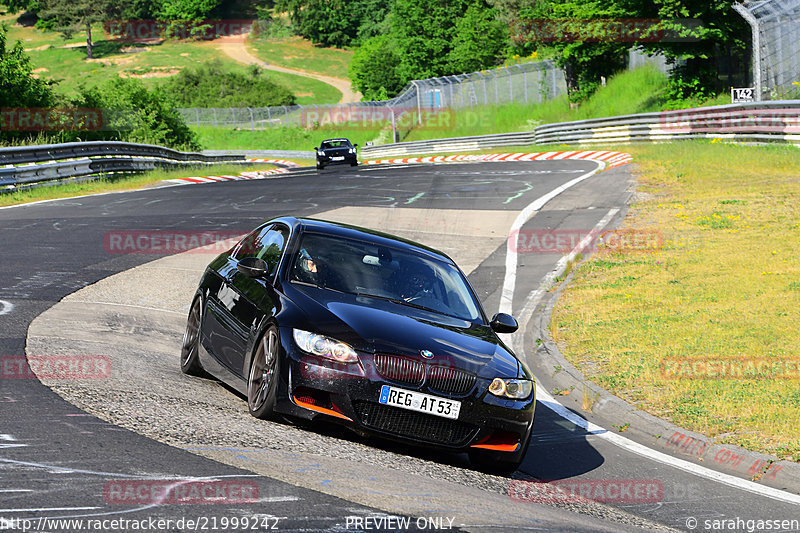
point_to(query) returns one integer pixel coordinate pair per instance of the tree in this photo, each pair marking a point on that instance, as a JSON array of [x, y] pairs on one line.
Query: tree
[[18, 86], [427, 32], [324, 22], [695, 55], [479, 40], [373, 69], [587, 52], [186, 10], [424, 31], [328, 22], [72, 16]]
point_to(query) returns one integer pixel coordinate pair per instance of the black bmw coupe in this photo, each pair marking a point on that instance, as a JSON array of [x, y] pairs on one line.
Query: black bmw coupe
[[315, 319]]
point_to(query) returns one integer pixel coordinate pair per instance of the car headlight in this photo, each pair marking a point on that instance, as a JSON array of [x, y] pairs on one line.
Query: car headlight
[[324, 346], [516, 389], [352, 150], [321, 153]]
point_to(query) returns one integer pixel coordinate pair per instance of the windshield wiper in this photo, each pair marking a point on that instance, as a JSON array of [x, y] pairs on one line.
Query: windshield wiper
[[317, 286], [400, 301]]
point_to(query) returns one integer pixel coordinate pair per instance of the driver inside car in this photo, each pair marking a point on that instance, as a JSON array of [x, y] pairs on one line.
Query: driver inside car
[[418, 284]]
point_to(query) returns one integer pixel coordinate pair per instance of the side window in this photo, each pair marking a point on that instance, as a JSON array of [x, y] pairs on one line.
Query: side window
[[271, 246], [249, 245]]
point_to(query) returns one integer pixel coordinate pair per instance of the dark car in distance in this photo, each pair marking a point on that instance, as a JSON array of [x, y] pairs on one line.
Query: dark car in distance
[[314, 319], [336, 152]]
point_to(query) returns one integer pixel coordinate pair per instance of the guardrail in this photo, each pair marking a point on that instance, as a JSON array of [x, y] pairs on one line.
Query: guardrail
[[777, 121], [33, 164], [461, 144]]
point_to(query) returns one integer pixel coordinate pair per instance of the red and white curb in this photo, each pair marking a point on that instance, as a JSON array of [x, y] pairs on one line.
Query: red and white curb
[[283, 162], [613, 159], [254, 175]]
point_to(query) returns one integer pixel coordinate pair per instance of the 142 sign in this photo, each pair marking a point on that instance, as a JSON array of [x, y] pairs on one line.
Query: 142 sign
[[746, 94]]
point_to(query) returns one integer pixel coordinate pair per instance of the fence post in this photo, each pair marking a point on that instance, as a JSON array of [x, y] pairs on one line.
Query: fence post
[[395, 135], [419, 101], [751, 20], [510, 85], [215, 117]]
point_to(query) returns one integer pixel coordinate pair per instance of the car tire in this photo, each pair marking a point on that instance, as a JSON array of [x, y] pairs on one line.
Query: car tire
[[262, 381], [190, 349], [354, 164], [499, 463], [320, 166]]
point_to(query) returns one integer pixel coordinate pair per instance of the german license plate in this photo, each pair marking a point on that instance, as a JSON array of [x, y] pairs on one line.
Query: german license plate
[[337, 158], [417, 401]]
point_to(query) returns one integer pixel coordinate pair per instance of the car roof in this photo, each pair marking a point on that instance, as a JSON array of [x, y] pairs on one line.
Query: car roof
[[339, 139], [326, 227]]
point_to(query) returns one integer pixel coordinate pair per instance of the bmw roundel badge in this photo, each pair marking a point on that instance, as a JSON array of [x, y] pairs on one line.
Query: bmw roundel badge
[[427, 354]]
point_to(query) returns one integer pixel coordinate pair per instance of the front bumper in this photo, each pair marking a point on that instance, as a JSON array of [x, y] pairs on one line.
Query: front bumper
[[348, 393], [349, 159]]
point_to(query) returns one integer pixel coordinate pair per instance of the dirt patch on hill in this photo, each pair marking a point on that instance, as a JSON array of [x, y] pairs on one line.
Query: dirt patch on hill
[[156, 72]]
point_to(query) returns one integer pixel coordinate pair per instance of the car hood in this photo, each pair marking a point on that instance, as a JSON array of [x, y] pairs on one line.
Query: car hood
[[379, 326]]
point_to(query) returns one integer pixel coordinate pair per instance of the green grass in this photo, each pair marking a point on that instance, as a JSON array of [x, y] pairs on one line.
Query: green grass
[[119, 183], [299, 53], [149, 62], [720, 288], [276, 138]]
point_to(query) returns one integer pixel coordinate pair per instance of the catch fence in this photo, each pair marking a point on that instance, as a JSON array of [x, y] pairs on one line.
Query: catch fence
[[524, 83]]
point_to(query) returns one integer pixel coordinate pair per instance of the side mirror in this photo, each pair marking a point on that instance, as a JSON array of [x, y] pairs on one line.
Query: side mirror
[[503, 323], [316, 148], [355, 146], [253, 267]]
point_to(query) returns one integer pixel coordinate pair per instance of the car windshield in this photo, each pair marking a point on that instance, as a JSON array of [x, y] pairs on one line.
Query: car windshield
[[367, 269], [335, 144]]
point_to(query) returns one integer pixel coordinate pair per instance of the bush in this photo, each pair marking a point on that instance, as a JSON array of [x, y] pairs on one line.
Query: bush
[[133, 113], [212, 86], [373, 69]]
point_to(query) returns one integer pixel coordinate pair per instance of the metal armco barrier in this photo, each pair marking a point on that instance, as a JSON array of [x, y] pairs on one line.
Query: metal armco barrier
[[462, 144], [777, 121], [33, 164]]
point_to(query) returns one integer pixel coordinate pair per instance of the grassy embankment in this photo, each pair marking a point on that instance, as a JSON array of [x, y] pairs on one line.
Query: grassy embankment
[[723, 288], [65, 61]]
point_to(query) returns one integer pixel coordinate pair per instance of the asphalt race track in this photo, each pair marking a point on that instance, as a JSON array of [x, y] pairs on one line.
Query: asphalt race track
[[148, 423]]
